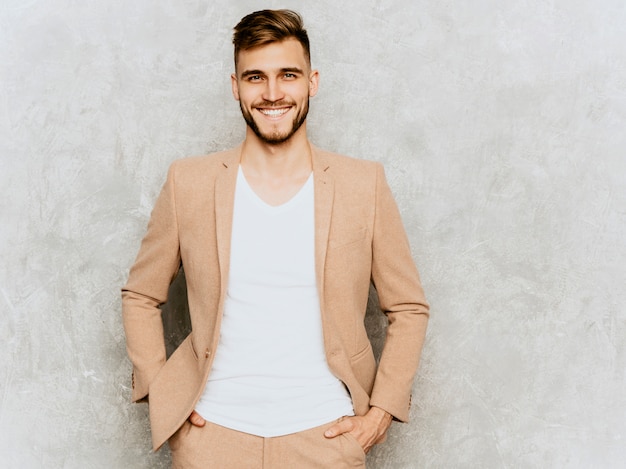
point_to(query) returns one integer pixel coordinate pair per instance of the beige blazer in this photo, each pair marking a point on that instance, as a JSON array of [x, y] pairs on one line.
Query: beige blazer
[[359, 238]]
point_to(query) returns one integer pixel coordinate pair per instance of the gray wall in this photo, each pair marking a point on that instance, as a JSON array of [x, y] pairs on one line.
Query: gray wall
[[502, 128]]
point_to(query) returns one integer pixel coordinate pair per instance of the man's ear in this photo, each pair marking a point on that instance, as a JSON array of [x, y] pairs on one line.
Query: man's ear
[[235, 86], [314, 81]]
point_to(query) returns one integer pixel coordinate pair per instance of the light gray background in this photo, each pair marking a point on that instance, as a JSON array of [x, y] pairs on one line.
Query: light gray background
[[502, 128]]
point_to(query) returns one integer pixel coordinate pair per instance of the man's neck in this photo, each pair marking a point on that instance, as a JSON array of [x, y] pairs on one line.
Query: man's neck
[[276, 172], [286, 160]]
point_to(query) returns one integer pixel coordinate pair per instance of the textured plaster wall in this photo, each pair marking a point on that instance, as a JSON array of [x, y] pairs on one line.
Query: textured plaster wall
[[502, 128]]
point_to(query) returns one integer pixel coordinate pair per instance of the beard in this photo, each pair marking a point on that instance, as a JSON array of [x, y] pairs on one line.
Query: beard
[[275, 137]]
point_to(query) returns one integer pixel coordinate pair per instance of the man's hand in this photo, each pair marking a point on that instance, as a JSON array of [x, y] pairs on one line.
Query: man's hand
[[196, 419], [368, 430]]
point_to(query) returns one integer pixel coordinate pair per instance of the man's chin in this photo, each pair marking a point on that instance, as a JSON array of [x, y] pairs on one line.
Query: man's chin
[[274, 138]]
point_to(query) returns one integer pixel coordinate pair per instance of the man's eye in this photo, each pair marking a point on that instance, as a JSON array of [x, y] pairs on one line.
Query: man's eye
[[254, 77], [290, 75]]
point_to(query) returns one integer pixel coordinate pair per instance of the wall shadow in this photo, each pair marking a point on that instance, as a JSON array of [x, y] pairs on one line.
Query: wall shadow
[[375, 323], [175, 314]]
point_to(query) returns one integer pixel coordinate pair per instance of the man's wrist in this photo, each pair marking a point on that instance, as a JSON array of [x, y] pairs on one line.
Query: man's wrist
[[380, 414]]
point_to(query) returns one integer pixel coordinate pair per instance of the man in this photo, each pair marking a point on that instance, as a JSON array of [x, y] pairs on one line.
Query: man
[[279, 241]]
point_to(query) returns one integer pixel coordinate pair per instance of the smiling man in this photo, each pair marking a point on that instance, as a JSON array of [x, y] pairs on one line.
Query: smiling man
[[279, 241], [276, 101]]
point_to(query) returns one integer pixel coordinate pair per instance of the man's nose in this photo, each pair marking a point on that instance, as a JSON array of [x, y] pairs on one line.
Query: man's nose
[[273, 91]]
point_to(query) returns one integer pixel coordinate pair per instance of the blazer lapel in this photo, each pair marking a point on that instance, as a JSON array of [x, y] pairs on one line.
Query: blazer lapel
[[324, 197], [224, 205], [324, 194]]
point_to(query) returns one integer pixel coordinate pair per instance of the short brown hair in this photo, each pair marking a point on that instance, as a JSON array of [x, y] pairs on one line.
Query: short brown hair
[[267, 26]]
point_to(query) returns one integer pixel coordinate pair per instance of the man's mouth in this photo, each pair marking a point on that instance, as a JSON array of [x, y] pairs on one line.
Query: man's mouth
[[273, 112]]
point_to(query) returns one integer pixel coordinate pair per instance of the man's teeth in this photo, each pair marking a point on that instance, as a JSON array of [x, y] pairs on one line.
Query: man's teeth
[[273, 112]]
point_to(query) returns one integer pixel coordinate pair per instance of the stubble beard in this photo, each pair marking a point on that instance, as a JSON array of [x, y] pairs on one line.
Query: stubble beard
[[275, 138]]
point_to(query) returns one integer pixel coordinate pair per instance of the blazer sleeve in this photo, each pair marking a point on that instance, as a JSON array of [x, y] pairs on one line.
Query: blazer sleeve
[[401, 298], [155, 267]]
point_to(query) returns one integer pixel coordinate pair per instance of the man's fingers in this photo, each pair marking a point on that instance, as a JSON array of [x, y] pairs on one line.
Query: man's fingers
[[196, 419], [340, 427]]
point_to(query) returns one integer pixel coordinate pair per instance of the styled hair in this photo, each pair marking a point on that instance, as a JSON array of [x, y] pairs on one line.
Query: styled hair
[[267, 26]]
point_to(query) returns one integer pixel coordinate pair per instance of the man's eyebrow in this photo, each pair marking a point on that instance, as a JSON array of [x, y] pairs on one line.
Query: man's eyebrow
[[291, 70], [247, 73]]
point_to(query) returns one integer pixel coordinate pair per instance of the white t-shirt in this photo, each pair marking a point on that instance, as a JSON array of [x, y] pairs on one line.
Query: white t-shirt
[[270, 376]]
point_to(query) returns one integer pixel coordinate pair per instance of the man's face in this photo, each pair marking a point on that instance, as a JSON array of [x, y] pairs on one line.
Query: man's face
[[273, 84]]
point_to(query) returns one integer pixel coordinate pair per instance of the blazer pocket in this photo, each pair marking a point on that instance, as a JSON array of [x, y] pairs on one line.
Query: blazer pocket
[[345, 237], [363, 365]]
